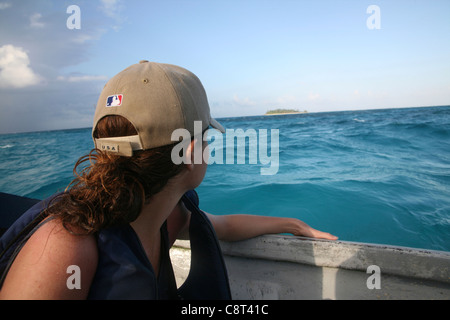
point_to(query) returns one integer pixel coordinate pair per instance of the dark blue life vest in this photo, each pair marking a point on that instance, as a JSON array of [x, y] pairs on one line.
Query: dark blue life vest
[[124, 271]]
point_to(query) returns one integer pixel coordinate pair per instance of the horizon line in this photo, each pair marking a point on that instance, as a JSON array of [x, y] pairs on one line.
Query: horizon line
[[246, 116]]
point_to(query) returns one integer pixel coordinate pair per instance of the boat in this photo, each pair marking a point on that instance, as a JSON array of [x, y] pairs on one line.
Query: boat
[[283, 267]]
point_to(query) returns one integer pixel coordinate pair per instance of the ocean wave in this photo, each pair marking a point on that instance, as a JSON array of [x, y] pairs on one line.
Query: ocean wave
[[385, 180], [48, 189]]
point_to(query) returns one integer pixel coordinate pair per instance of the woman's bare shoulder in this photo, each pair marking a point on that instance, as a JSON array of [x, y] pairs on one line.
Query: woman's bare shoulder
[[46, 262]]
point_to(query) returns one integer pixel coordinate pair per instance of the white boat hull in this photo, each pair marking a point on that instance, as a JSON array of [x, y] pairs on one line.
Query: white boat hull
[[287, 267]]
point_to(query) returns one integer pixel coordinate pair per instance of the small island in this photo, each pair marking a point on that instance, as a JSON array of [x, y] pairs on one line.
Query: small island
[[283, 111]]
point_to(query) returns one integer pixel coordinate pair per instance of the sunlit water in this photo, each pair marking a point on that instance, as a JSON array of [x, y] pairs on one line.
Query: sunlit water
[[377, 176]]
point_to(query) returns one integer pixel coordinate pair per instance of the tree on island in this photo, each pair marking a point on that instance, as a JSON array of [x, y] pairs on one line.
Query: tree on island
[[281, 111]]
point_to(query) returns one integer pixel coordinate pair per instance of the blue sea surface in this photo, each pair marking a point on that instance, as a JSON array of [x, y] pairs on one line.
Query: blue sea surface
[[376, 176]]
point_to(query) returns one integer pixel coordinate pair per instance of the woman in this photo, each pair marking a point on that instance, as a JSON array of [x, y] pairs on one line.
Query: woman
[[129, 202]]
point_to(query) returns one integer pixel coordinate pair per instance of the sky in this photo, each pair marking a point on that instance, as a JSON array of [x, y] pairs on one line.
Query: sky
[[251, 56]]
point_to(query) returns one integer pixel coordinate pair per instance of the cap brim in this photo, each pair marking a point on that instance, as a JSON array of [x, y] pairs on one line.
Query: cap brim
[[216, 125]]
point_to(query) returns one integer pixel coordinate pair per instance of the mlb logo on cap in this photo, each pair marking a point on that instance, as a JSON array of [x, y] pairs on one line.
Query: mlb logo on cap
[[114, 101]]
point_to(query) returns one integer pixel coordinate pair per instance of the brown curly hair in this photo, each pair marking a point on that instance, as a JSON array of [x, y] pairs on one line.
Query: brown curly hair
[[108, 189]]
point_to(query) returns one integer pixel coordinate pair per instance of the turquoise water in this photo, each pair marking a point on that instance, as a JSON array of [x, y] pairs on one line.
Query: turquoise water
[[377, 176]]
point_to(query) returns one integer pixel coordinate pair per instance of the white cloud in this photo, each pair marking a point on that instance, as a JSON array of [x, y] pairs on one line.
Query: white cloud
[[286, 99], [15, 71], [35, 21], [82, 38], [82, 78], [87, 37], [109, 6], [243, 102], [313, 96], [113, 9], [5, 5]]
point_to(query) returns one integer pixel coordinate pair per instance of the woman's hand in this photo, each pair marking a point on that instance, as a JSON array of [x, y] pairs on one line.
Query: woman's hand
[[302, 229], [242, 226]]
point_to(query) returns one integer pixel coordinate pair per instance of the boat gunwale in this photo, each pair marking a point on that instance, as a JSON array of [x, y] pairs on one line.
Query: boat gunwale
[[396, 260]]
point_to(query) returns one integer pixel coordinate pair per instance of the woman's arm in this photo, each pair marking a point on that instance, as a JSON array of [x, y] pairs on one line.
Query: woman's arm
[[242, 226], [44, 266]]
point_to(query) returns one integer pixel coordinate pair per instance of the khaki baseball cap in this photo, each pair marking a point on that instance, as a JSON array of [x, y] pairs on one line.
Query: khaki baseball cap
[[157, 99]]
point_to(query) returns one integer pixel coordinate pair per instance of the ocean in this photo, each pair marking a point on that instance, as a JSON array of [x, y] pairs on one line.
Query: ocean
[[374, 176]]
